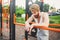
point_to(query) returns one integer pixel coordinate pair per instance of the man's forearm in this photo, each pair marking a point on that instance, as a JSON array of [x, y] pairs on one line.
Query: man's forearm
[[42, 24]]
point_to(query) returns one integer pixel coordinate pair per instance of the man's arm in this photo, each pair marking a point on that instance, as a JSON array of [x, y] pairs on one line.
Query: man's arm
[[27, 25], [45, 21], [29, 20]]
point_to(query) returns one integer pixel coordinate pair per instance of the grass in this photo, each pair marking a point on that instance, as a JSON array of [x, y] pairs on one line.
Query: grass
[[20, 20], [55, 19]]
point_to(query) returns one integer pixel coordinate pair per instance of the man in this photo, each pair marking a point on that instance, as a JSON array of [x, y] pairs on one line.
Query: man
[[41, 19]]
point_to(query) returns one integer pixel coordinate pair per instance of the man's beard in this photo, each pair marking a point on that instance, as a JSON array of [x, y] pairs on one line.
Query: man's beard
[[36, 16]]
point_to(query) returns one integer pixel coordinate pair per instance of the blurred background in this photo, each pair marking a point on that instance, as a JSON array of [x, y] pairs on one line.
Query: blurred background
[[52, 7]]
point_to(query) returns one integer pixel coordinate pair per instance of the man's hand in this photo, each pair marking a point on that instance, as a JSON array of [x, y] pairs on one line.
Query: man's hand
[[27, 27], [31, 28]]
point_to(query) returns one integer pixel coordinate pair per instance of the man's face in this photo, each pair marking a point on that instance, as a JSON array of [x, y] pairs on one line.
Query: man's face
[[35, 13]]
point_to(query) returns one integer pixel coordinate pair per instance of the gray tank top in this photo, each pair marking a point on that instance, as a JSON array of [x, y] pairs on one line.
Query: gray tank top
[[40, 31], [36, 20]]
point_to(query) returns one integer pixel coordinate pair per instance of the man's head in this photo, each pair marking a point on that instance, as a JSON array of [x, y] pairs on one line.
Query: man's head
[[35, 8]]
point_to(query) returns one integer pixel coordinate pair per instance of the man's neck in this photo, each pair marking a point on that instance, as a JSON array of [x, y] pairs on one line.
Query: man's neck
[[39, 13]]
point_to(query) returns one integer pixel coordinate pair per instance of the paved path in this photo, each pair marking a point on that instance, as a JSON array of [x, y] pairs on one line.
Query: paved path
[[20, 34]]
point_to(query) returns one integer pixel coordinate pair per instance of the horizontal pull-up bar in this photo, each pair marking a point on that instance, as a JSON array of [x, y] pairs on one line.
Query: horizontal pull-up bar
[[42, 27]]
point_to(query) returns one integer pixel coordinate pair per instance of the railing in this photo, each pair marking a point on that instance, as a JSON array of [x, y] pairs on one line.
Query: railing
[[42, 27]]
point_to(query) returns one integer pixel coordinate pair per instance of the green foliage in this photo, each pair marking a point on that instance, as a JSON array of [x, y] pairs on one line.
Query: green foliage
[[46, 7], [19, 11], [6, 6], [55, 19], [20, 20], [51, 8]]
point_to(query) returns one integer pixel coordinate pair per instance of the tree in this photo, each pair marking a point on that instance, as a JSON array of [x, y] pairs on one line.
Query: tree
[[46, 7], [19, 11], [51, 8]]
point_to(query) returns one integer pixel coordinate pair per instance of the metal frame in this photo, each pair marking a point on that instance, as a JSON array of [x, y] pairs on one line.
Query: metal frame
[[27, 11], [1, 16], [12, 25]]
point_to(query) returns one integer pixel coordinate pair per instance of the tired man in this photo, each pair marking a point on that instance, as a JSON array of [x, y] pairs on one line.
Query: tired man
[[41, 19]]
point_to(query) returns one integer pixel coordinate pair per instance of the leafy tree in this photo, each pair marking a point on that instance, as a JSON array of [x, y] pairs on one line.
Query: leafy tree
[[19, 11], [51, 8], [46, 7]]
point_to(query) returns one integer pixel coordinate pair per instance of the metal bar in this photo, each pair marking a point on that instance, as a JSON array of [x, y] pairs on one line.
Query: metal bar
[[41, 27], [27, 8], [12, 25], [1, 16]]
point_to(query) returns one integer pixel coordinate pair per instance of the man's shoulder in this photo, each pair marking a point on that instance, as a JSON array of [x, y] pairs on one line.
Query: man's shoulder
[[44, 13]]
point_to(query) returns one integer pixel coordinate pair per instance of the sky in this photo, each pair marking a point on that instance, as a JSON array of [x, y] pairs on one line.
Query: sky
[[54, 3]]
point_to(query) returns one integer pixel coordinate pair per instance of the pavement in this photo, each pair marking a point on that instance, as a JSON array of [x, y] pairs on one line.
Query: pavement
[[20, 34]]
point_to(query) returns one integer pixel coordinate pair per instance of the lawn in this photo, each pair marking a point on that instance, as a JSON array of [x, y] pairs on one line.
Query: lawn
[[20, 20], [53, 19]]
